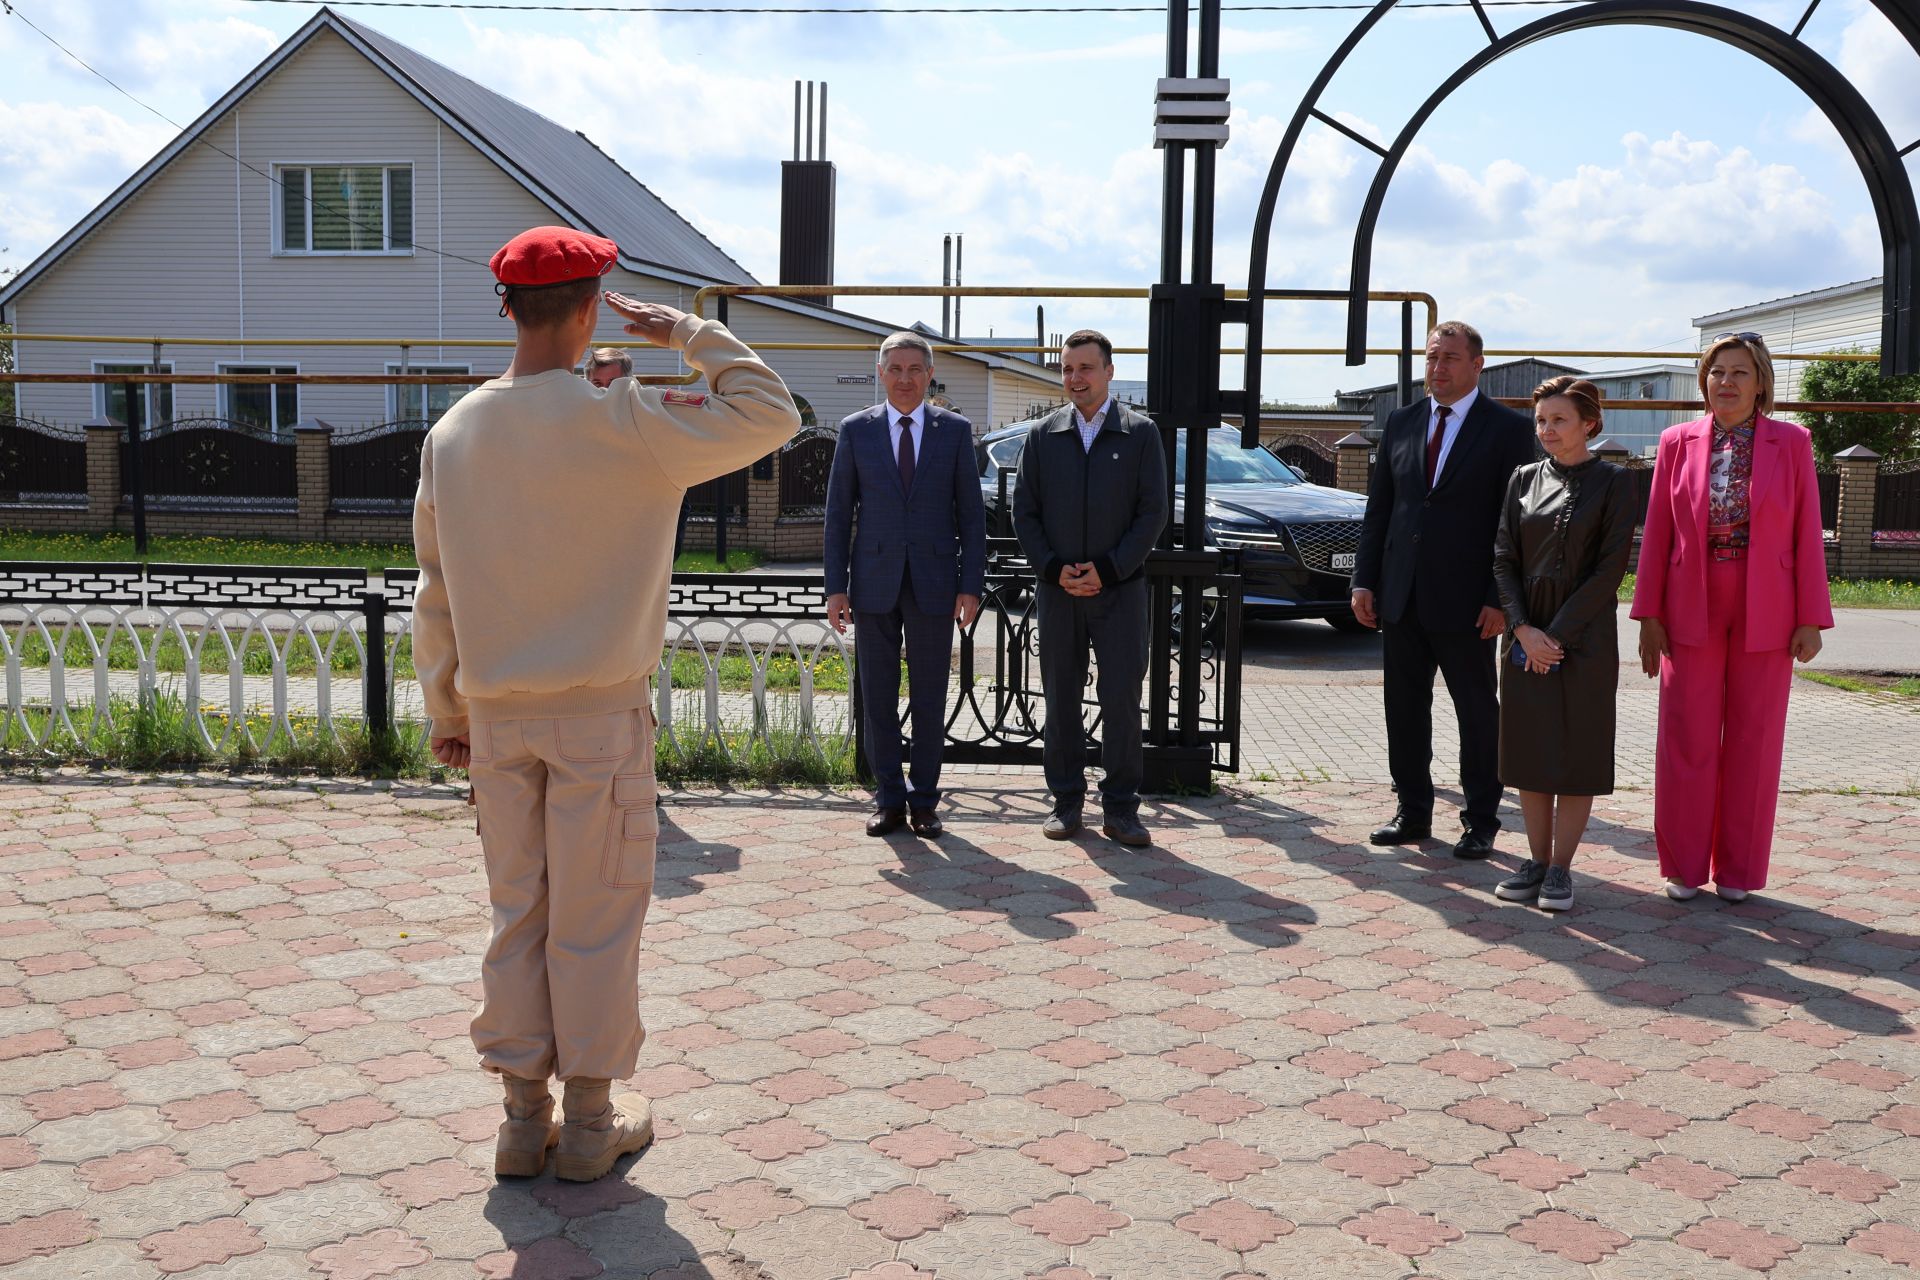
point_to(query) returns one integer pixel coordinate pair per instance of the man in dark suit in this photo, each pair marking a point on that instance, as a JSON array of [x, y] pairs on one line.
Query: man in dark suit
[[1089, 502], [906, 553], [1424, 576]]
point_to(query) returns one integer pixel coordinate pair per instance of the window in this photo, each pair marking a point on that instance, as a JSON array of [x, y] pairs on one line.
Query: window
[[346, 208], [152, 402], [274, 406], [403, 402]]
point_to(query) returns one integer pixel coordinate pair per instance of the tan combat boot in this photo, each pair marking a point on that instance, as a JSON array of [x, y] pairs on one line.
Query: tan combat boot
[[599, 1129], [521, 1149]]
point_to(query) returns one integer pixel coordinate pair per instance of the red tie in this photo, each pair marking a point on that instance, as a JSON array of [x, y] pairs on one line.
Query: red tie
[[906, 452], [1433, 443]]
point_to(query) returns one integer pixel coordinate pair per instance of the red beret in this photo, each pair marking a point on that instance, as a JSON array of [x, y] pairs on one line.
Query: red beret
[[544, 256]]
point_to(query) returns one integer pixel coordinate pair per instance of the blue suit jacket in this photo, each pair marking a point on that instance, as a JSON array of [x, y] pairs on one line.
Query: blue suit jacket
[[876, 529]]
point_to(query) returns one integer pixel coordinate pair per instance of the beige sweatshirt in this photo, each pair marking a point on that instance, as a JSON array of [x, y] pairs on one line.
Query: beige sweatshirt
[[544, 527]]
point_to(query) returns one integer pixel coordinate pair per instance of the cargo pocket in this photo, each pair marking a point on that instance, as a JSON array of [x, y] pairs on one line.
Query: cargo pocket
[[480, 741], [633, 835], [587, 738]]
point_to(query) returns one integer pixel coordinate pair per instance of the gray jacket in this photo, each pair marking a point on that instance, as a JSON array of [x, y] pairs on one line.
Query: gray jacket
[[1107, 504]]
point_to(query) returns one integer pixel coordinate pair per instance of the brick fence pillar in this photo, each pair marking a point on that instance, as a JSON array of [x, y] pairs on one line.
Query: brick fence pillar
[[103, 473], [763, 502], [313, 469], [1859, 477], [1351, 453]]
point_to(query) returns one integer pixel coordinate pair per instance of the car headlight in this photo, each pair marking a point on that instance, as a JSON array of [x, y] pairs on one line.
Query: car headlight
[[1222, 532]]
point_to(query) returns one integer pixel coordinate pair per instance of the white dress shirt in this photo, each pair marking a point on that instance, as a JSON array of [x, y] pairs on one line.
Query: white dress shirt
[[919, 416], [1456, 414], [1090, 427]]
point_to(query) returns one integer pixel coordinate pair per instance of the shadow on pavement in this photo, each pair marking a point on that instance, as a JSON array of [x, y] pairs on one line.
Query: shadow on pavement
[[1718, 961]]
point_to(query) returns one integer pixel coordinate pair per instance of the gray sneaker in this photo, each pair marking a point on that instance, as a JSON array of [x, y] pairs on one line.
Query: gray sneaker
[[1523, 885], [1556, 893]]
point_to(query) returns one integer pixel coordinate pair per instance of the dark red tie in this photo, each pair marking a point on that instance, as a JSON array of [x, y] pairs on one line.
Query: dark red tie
[[1433, 443], [906, 453]]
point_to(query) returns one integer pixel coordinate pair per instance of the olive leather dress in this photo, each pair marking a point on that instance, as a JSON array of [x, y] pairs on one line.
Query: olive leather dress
[[1565, 536]]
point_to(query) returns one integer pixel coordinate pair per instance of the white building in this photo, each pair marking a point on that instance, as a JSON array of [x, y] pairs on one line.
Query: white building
[[351, 187], [1831, 319]]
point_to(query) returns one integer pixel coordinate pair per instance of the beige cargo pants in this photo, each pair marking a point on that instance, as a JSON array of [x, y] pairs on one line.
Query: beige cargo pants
[[569, 830]]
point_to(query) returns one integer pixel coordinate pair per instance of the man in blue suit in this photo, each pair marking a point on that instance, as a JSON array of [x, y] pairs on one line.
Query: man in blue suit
[[906, 557]]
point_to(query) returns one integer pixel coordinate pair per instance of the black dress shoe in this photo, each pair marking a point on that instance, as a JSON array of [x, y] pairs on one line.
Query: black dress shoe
[[1404, 829], [1061, 826], [1475, 845], [885, 821], [925, 822]]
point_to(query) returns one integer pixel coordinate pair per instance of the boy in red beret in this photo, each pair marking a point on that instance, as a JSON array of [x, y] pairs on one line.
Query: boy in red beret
[[544, 526]]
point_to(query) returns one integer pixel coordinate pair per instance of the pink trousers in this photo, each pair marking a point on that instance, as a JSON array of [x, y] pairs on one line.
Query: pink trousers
[[1723, 723]]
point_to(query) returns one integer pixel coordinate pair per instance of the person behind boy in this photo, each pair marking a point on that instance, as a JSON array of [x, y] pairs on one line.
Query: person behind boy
[[544, 527]]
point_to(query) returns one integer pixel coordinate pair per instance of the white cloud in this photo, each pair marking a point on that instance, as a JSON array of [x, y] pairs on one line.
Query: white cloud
[[60, 161]]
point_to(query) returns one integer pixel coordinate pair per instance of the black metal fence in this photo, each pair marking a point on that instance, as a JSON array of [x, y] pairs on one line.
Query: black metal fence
[[804, 466], [1896, 498], [1306, 455], [700, 499], [378, 467], [214, 462], [41, 463]]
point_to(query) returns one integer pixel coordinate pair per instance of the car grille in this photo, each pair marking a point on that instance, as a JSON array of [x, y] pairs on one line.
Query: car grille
[[1318, 543]]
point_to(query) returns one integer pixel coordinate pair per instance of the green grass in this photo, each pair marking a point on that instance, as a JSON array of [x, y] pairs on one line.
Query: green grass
[[16, 544], [1903, 686], [170, 657], [1850, 593], [783, 758], [157, 734], [374, 556]]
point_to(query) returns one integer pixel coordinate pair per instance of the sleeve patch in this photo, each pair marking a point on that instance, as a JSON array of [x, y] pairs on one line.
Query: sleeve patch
[[694, 398]]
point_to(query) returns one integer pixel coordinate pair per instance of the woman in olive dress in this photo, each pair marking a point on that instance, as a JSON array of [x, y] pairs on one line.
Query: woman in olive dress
[[1565, 536]]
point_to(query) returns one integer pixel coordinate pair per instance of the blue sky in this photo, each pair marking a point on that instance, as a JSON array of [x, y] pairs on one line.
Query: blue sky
[[1595, 190]]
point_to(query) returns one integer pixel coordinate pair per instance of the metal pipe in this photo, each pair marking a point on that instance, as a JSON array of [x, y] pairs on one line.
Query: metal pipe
[[823, 119], [959, 249], [946, 282], [809, 119], [796, 119]]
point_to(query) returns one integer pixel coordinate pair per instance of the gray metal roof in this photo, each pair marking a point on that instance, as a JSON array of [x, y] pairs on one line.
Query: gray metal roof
[[566, 164]]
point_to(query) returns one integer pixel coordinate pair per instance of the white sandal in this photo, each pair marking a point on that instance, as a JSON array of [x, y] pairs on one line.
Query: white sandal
[[1681, 892]]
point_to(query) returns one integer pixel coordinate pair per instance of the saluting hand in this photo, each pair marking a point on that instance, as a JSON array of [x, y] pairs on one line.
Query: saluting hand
[[650, 320]]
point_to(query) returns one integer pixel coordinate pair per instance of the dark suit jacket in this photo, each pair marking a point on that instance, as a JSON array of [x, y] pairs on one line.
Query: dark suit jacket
[[1442, 540], [1106, 505], [876, 530]]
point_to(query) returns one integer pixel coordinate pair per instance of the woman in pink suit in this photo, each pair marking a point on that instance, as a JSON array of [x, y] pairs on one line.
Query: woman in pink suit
[[1732, 587]]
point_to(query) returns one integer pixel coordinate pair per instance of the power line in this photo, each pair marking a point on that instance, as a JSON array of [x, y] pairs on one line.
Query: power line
[[13, 9], [499, 7]]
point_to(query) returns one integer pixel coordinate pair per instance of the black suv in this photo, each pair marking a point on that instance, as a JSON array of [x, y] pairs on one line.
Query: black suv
[[1296, 540]]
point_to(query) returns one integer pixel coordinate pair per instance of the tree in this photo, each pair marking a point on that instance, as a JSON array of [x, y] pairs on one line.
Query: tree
[[1891, 435]]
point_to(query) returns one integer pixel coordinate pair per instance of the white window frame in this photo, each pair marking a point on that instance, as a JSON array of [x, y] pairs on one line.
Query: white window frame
[[100, 389], [224, 402], [277, 243], [419, 366]]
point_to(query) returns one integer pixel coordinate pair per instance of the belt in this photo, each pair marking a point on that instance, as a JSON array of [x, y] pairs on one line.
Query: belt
[[1727, 553]]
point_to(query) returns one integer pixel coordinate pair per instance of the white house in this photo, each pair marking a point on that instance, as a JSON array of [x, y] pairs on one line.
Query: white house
[[350, 187], [1831, 319]]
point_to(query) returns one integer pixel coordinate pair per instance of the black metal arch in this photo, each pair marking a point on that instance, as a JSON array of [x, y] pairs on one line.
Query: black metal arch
[[1880, 160]]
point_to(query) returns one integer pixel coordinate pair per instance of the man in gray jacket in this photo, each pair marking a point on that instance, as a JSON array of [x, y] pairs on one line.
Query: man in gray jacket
[[1089, 502]]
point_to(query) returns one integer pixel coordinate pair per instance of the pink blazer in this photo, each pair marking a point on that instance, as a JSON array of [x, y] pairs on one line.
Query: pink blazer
[[1786, 559]]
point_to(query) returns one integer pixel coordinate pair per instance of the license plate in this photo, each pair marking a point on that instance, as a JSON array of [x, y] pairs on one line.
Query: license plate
[[1343, 559]]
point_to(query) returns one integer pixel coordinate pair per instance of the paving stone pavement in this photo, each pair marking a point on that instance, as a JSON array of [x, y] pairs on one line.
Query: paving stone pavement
[[233, 1043]]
